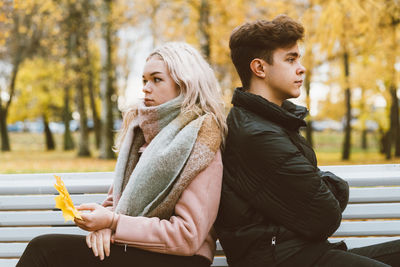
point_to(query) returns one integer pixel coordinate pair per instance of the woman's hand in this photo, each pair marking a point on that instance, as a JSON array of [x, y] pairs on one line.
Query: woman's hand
[[99, 242], [99, 217]]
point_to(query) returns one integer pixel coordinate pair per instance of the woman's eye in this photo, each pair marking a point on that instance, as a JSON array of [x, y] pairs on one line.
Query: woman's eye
[[156, 80], [144, 82], [291, 60]]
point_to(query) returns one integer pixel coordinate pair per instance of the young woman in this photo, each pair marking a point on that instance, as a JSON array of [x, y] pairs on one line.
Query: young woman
[[161, 208]]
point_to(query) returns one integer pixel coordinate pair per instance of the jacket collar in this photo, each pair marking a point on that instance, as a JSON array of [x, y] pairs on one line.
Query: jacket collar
[[290, 116]]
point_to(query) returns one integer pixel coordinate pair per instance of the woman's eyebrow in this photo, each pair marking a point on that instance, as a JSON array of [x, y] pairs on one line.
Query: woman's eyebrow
[[154, 73]]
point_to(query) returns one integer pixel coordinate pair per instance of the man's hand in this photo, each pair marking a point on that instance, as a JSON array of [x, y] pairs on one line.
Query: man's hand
[[99, 241], [99, 217]]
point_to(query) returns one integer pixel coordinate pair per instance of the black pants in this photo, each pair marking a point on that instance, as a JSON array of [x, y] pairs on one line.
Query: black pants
[[380, 255], [71, 251]]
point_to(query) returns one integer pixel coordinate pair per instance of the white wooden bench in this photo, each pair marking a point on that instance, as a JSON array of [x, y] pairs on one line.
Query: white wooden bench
[[27, 206]]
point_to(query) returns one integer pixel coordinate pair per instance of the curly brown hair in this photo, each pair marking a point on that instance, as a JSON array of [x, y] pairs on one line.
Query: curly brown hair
[[259, 39]]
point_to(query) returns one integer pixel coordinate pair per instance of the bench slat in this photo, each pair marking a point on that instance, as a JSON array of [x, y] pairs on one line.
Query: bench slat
[[372, 211], [375, 194], [26, 202], [219, 261], [65, 176], [26, 218], [45, 187], [22, 184], [12, 250], [367, 175], [8, 262], [25, 234], [356, 242], [368, 228], [31, 202]]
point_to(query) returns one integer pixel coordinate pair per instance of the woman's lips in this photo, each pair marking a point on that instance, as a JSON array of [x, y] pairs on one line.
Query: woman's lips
[[148, 101]]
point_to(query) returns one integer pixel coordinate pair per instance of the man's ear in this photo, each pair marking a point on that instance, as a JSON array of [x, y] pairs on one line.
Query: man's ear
[[257, 67]]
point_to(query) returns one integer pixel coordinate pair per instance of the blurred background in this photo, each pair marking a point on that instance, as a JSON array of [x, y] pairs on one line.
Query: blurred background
[[69, 67]]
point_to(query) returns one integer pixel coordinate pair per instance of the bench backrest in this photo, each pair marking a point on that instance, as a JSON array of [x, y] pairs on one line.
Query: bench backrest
[[27, 206]]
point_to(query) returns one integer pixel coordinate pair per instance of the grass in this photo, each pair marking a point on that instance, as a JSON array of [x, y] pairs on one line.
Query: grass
[[28, 154], [330, 141], [328, 146]]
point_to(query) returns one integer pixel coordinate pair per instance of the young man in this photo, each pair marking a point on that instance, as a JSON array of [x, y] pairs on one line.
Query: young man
[[277, 208]]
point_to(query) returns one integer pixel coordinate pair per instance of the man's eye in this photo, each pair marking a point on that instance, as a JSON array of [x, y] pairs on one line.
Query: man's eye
[[291, 60]]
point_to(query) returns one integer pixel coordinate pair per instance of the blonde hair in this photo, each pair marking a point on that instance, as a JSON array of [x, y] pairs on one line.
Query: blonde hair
[[196, 81]]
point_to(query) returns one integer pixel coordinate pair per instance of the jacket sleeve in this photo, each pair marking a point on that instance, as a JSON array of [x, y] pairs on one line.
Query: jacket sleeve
[[338, 186], [188, 228], [287, 189]]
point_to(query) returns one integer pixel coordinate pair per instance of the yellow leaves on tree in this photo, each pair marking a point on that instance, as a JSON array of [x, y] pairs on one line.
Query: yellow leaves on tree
[[64, 201]]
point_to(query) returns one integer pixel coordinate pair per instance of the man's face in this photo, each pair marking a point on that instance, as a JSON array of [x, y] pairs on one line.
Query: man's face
[[285, 76]]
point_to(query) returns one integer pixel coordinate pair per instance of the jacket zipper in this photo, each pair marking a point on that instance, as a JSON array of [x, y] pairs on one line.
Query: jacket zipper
[[273, 243]]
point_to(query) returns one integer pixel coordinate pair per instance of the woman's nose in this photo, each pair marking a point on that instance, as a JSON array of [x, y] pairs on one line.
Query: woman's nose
[[146, 88]]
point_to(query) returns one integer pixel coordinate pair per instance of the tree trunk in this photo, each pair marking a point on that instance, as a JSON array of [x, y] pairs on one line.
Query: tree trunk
[[387, 145], [95, 114], [362, 118], [397, 136], [395, 100], [347, 133], [394, 124], [364, 141], [87, 8], [204, 28], [307, 85], [382, 139], [78, 32], [5, 141], [83, 129], [48, 135], [347, 128], [107, 87], [394, 131], [68, 140]]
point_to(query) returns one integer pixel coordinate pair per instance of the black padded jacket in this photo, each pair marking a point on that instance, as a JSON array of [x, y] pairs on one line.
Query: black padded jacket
[[275, 202]]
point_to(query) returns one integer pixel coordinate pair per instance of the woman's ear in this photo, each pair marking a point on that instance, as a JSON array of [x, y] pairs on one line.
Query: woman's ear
[[257, 67]]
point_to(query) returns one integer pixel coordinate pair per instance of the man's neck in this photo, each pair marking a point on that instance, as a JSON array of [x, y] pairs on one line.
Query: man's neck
[[264, 92]]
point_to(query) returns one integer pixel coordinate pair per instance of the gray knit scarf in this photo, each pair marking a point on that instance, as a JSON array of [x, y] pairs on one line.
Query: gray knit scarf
[[179, 147]]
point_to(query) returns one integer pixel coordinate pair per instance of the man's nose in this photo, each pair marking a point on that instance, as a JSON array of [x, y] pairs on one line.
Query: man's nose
[[301, 70]]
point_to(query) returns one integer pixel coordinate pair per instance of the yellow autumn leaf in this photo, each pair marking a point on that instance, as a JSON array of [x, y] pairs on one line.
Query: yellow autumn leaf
[[64, 201]]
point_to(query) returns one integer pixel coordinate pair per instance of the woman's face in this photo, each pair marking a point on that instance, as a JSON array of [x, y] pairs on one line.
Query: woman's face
[[158, 85]]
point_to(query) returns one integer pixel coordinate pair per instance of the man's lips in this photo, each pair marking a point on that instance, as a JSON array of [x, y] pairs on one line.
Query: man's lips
[[299, 82]]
